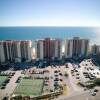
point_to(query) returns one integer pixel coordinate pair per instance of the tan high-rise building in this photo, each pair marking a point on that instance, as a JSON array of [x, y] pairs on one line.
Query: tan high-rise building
[[39, 49], [12, 50], [15, 51], [95, 49], [2, 56], [84, 47], [25, 49], [76, 47], [8, 50], [68, 44], [48, 48]]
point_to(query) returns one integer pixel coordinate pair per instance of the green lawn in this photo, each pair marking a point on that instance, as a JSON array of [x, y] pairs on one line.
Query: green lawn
[[2, 79], [29, 87]]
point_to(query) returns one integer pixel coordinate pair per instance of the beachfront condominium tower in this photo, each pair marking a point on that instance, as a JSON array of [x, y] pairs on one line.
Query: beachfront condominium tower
[[39, 49], [95, 49], [15, 51], [48, 48], [84, 47], [2, 56], [25, 49], [68, 44], [76, 47], [12, 50]]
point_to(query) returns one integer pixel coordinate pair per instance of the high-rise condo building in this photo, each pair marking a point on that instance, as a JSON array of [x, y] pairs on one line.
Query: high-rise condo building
[[2, 56], [95, 49], [25, 49], [68, 44], [15, 51], [12, 50], [39, 50], [48, 48], [76, 47], [8, 50], [84, 47]]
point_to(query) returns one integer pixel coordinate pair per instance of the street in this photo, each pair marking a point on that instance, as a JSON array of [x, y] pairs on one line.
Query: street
[[80, 96]]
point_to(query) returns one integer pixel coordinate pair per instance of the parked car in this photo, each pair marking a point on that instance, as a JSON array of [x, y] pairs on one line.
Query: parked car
[[77, 77], [3, 87], [96, 90], [60, 74], [93, 94], [5, 98]]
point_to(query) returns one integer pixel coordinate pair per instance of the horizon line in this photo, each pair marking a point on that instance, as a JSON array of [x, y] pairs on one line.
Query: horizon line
[[49, 26]]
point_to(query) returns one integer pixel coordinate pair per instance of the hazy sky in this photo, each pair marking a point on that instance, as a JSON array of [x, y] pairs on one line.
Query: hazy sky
[[49, 12]]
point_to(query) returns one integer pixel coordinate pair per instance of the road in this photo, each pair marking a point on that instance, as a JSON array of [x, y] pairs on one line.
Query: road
[[81, 96], [71, 81]]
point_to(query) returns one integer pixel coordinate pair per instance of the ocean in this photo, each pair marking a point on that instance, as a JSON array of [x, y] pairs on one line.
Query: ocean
[[33, 33]]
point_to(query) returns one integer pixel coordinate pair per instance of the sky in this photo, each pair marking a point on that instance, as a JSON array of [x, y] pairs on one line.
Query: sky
[[50, 13]]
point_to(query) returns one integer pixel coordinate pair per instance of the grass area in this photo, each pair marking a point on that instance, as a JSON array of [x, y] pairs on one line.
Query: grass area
[[2, 79], [29, 87]]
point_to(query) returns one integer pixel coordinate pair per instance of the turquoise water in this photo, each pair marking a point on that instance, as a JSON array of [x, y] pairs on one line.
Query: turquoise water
[[33, 33]]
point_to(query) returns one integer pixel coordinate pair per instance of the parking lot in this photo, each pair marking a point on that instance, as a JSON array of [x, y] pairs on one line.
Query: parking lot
[[10, 86], [55, 78]]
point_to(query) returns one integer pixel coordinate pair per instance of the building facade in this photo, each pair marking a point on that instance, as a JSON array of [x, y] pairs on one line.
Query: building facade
[[25, 49], [15, 51], [95, 49], [76, 47], [68, 44], [2, 55], [48, 48]]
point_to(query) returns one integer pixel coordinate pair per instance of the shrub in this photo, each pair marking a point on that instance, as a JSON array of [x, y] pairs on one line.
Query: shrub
[[97, 82]]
